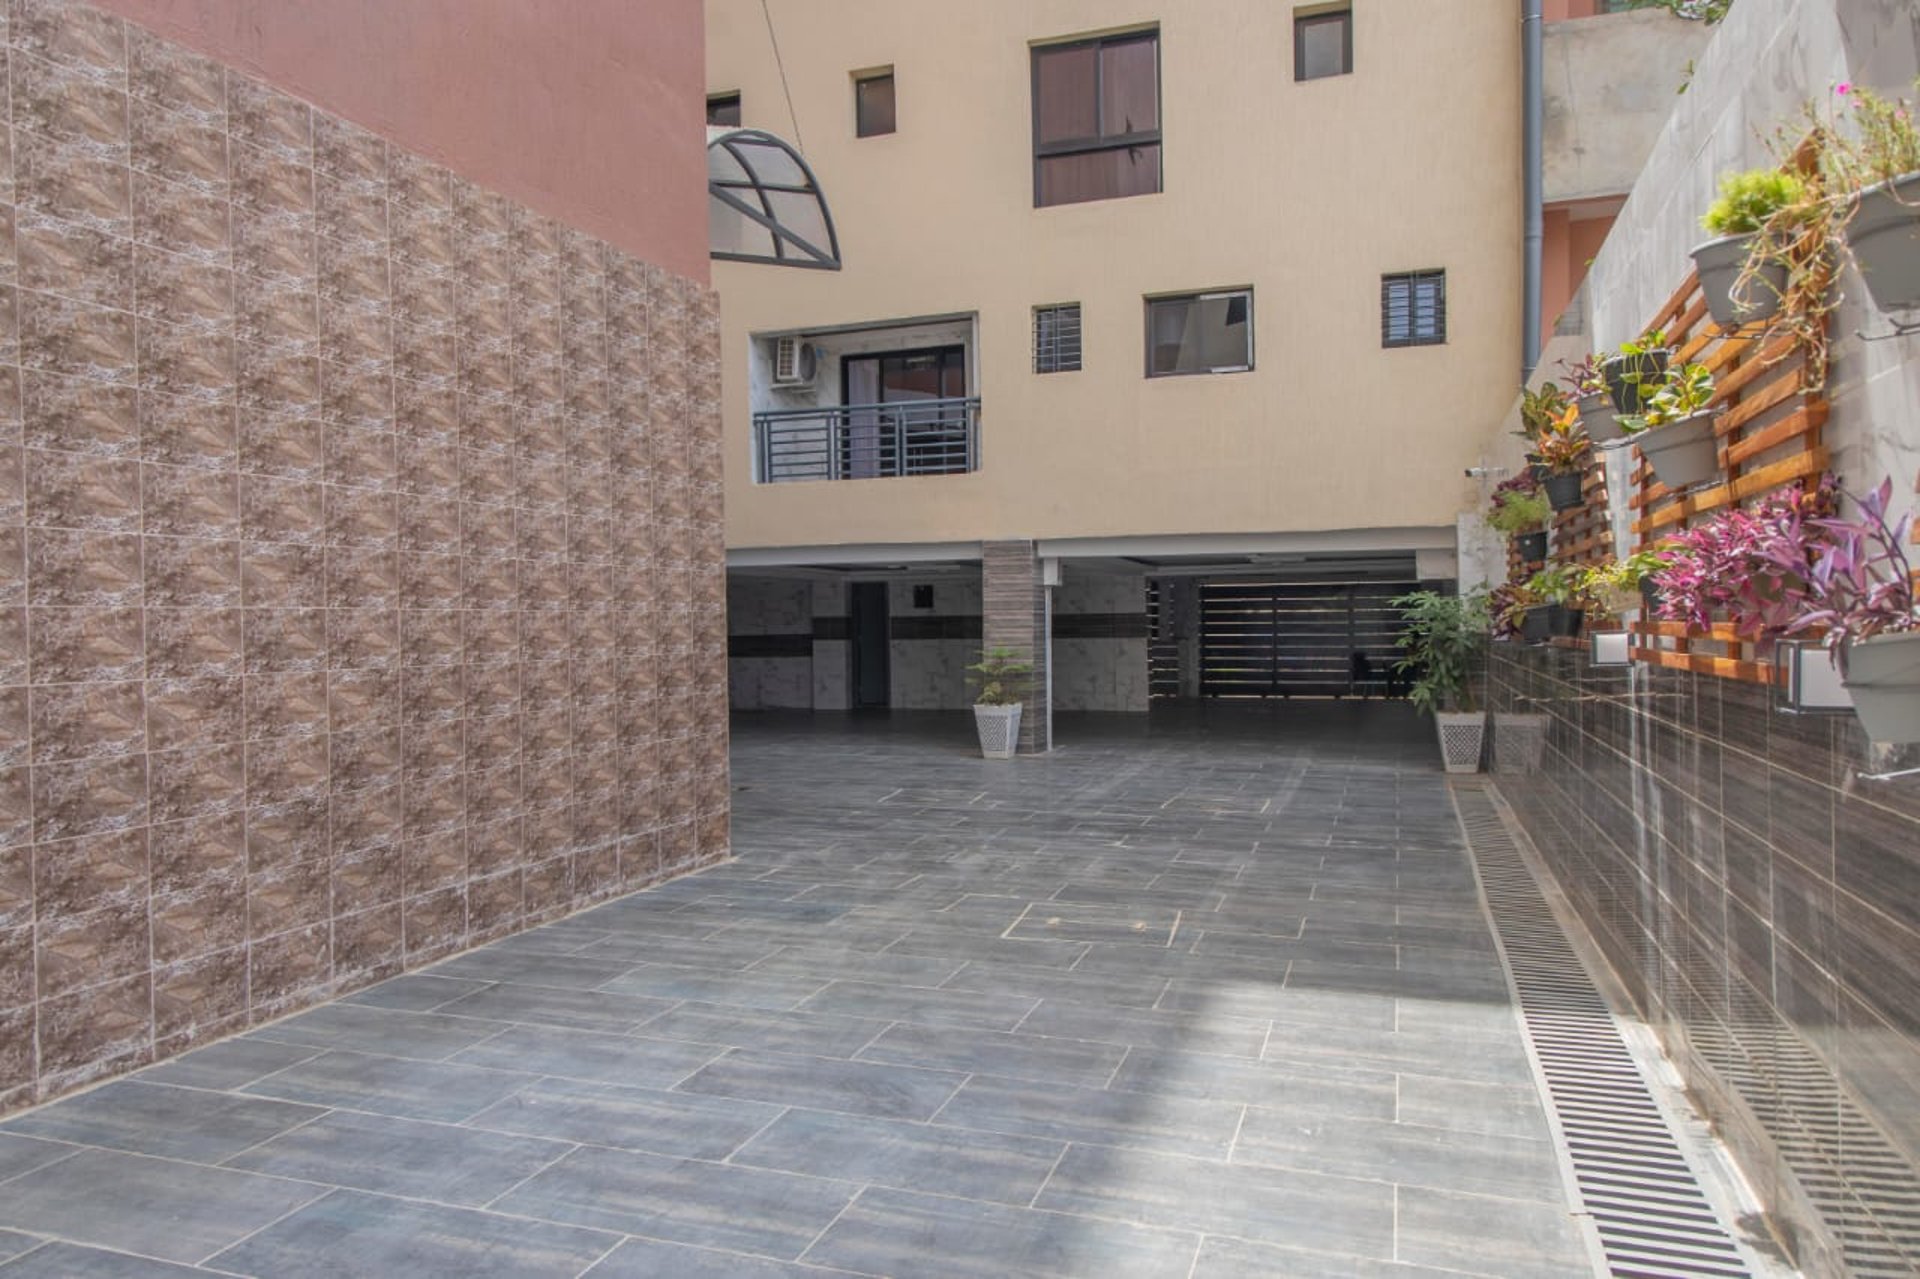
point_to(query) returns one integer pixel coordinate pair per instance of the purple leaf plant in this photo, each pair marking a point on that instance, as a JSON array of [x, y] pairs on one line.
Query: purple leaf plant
[[1756, 568], [1862, 581]]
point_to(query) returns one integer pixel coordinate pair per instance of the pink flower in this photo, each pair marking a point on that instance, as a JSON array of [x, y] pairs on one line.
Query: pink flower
[[1843, 88]]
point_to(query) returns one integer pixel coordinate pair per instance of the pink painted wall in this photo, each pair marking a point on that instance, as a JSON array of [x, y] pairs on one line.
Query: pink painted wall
[[591, 111], [1561, 10], [1567, 246]]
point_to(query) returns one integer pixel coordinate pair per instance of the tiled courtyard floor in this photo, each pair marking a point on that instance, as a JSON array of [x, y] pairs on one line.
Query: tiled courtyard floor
[[1212, 999]]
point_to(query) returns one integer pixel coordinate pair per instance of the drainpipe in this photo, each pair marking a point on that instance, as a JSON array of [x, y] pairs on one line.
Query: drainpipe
[[1530, 160]]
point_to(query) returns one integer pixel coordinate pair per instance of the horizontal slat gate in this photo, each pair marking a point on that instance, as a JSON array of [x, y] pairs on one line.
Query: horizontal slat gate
[[1292, 639]]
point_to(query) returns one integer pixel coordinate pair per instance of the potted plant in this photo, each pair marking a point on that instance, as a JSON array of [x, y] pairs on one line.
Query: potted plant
[[1862, 595], [1507, 608], [1562, 605], [1754, 568], [1632, 375], [1625, 584], [1879, 160], [1597, 414], [1520, 511], [1675, 432], [1538, 410], [1565, 451], [1001, 678], [1444, 640], [1743, 270]]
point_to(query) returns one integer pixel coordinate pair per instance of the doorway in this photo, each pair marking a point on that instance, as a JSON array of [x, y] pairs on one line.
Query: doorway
[[870, 627], [922, 435]]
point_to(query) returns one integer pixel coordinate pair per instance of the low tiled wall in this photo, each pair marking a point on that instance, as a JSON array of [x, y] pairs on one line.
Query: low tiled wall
[[361, 588], [1762, 903]]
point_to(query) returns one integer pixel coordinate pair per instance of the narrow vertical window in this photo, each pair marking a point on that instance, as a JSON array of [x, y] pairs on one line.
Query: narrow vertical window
[[1413, 308], [873, 104], [1322, 42], [724, 109], [1096, 119], [1056, 338]]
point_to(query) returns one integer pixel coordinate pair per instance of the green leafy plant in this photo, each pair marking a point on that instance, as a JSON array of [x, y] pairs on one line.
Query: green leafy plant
[[1686, 390], [1563, 447], [1752, 201], [1615, 587], [1638, 366], [1519, 511], [1444, 639], [1586, 375], [1001, 677], [1539, 408], [1561, 584]]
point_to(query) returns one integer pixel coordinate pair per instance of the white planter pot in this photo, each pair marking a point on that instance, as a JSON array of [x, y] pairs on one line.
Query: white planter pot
[[1683, 453], [999, 728], [1519, 741], [1462, 734], [1883, 675]]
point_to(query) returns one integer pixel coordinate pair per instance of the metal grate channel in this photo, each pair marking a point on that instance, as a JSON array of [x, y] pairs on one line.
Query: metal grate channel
[[1645, 1200]]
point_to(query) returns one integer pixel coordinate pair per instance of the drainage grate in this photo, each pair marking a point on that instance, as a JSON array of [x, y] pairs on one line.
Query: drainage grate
[[1645, 1201]]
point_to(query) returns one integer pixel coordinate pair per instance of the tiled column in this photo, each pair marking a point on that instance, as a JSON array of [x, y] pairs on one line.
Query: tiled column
[[1015, 617]]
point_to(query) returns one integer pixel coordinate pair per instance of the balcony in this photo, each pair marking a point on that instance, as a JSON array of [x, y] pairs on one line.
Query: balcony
[[868, 441]]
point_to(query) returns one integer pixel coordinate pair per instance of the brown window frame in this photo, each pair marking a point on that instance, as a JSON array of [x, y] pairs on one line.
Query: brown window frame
[[1302, 19], [862, 78], [1097, 142]]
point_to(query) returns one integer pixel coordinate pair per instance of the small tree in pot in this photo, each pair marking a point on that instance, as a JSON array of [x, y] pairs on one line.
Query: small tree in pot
[[1745, 269], [1565, 452], [1002, 679], [1444, 640]]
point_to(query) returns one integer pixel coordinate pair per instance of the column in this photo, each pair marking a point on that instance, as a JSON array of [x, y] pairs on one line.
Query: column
[[1014, 616]]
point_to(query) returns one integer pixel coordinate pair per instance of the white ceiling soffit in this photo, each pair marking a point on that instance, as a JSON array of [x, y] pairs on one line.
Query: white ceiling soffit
[[764, 204]]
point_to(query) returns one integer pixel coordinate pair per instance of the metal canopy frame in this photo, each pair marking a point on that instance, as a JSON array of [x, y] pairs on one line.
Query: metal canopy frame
[[739, 181]]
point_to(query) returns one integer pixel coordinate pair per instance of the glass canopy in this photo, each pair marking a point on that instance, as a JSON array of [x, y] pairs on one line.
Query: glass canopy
[[763, 204]]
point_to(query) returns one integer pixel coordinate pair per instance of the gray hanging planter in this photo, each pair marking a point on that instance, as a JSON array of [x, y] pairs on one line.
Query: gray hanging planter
[[1884, 236], [1730, 301], [1632, 379], [1682, 453], [1532, 547], [1600, 419], [1564, 491], [1883, 676]]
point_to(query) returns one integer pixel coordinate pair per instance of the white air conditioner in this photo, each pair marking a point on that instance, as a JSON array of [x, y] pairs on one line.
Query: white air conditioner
[[794, 362]]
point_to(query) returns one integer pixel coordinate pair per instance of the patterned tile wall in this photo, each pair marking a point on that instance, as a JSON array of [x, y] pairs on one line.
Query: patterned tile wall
[[1761, 900], [361, 555]]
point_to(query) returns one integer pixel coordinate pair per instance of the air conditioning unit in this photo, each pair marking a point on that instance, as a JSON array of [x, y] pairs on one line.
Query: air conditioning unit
[[794, 362]]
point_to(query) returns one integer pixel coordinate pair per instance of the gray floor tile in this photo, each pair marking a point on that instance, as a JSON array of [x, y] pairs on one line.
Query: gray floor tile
[[1239, 1259], [73, 1261], [579, 1054], [651, 1259], [415, 992], [1014, 1055], [717, 953], [890, 969], [567, 972], [1093, 989], [1097, 1116], [1506, 1237], [13, 1243], [402, 1157], [984, 1010], [159, 1119], [1478, 1163], [1025, 952], [852, 1087], [1269, 1205], [891, 1232], [630, 1118], [748, 1210], [749, 990], [425, 1036], [558, 1006], [906, 1156], [392, 1085], [1202, 1032], [228, 1064], [20, 1154], [815, 1034], [1507, 1110], [1310, 1087], [350, 1233], [154, 1207]]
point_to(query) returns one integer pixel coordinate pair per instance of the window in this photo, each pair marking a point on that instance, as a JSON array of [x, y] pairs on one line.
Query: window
[[1056, 338], [724, 109], [873, 104], [1200, 333], [1322, 42], [1096, 119], [1413, 308]]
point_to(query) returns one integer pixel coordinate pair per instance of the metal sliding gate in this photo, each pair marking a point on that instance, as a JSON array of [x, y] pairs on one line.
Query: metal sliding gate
[[1297, 639]]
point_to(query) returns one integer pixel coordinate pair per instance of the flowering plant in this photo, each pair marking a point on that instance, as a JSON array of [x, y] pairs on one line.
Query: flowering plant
[[1885, 141], [1756, 566], [1861, 583]]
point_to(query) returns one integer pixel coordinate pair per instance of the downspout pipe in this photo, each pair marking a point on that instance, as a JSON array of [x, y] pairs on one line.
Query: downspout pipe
[[1534, 114]]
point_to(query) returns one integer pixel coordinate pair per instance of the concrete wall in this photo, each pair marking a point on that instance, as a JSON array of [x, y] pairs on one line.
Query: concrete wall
[[1303, 190], [769, 643], [577, 109], [1100, 642], [361, 579]]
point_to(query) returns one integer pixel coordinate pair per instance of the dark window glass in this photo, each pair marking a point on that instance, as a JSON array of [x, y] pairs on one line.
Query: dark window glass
[[1322, 44], [873, 105], [1200, 333], [1096, 119], [724, 109], [1056, 338], [1413, 308]]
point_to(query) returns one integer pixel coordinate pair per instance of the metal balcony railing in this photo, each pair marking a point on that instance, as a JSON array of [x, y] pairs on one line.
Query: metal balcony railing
[[868, 441]]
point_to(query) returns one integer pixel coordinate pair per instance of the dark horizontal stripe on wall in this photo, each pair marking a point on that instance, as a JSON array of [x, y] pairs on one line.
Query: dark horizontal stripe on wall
[[1099, 625], [830, 628], [936, 628], [769, 646]]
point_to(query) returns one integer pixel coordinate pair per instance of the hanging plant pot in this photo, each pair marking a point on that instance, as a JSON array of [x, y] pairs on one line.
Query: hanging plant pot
[[1683, 453], [1535, 465], [1884, 236], [1598, 417], [1462, 735], [1532, 547], [1564, 622], [1632, 378], [1536, 626], [1564, 491], [1883, 676], [999, 729], [1730, 301], [1649, 595]]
